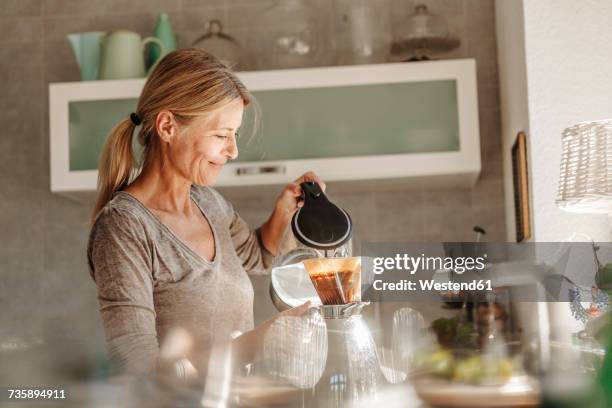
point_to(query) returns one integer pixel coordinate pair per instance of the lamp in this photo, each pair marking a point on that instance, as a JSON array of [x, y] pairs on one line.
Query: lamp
[[585, 186], [585, 182]]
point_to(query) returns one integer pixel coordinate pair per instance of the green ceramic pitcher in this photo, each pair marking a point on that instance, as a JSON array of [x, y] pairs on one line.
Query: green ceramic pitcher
[[123, 55]]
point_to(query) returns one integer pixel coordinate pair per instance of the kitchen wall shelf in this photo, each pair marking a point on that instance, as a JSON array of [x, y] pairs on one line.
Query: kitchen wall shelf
[[407, 123]]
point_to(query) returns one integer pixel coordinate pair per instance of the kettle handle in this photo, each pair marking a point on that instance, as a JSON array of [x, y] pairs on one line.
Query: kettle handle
[[312, 188], [156, 41]]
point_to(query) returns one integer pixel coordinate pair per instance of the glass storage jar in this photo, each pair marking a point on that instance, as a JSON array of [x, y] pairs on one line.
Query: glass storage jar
[[423, 35], [223, 46], [362, 31], [292, 34]]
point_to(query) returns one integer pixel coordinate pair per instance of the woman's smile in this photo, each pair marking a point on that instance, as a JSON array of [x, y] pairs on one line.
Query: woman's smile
[[219, 165]]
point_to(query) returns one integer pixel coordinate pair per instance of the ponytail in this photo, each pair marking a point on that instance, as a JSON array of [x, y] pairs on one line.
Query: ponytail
[[116, 164]]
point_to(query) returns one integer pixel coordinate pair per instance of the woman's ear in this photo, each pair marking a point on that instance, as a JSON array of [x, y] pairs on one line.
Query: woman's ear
[[166, 126]]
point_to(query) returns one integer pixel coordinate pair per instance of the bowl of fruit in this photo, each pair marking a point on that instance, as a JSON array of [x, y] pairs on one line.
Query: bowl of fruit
[[472, 367]]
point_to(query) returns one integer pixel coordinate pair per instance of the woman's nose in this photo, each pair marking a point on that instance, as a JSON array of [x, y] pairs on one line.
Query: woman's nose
[[232, 148]]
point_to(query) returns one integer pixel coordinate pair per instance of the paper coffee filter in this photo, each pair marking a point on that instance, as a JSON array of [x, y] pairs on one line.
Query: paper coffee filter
[[336, 280], [329, 265]]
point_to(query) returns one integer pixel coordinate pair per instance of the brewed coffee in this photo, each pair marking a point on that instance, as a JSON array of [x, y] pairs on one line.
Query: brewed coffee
[[336, 280]]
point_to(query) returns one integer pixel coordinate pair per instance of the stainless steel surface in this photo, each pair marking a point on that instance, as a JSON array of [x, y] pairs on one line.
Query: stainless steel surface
[[342, 311]]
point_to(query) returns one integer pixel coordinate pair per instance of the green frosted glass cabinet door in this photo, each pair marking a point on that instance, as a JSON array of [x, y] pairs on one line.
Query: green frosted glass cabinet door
[[90, 124], [359, 120], [365, 120]]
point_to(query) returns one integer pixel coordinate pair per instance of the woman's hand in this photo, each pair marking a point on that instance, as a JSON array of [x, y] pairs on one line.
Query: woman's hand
[[286, 205], [296, 311], [289, 201], [249, 345]]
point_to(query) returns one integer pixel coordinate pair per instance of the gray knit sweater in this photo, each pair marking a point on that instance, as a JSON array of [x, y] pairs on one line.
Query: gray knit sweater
[[149, 281]]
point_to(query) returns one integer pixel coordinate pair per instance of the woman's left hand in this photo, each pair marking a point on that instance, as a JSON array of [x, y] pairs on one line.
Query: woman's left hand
[[286, 205], [249, 345]]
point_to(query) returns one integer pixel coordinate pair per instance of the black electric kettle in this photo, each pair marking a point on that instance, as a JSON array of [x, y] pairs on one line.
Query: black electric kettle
[[319, 223]]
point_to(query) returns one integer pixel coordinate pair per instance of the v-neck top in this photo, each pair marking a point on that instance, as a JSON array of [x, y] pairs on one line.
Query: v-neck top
[[172, 234], [149, 281]]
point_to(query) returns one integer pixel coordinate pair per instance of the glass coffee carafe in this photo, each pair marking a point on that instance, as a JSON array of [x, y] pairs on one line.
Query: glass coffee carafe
[[321, 269]]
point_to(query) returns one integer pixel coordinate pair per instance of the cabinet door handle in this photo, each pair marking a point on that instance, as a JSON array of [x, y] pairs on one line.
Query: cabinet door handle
[[250, 170]]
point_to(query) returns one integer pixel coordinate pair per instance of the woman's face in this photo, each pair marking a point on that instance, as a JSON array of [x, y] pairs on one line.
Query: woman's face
[[207, 143]]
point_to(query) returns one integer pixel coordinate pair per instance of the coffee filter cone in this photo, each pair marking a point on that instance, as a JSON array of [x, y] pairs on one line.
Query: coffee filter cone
[[329, 265], [336, 280]]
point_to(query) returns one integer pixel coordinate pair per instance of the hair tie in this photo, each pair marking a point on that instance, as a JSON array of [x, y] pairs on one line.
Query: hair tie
[[135, 119]]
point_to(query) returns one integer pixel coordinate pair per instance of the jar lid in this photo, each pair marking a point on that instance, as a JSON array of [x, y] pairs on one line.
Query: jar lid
[[215, 30]]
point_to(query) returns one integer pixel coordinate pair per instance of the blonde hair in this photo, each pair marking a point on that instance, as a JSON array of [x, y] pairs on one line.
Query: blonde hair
[[187, 82]]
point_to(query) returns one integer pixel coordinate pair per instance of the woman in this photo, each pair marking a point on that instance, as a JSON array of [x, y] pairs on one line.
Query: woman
[[165, 249]]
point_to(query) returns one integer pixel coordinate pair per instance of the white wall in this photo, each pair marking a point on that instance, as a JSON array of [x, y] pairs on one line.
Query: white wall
[[513, 91], [569, 79], [555, 63]]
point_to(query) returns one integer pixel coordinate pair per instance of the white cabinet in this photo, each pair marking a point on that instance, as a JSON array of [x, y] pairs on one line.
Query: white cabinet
[[409, 122]]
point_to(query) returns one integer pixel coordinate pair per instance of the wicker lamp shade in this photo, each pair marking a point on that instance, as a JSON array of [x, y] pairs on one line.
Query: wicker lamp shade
[[585, 183]]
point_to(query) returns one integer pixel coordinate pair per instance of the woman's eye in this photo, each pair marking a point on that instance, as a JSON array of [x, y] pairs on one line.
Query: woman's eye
[[221, 136]]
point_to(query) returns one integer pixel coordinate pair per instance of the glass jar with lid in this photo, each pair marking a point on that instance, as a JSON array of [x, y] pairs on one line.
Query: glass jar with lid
[[292, 34], [223, 46], [362, 31], [423, 35]]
